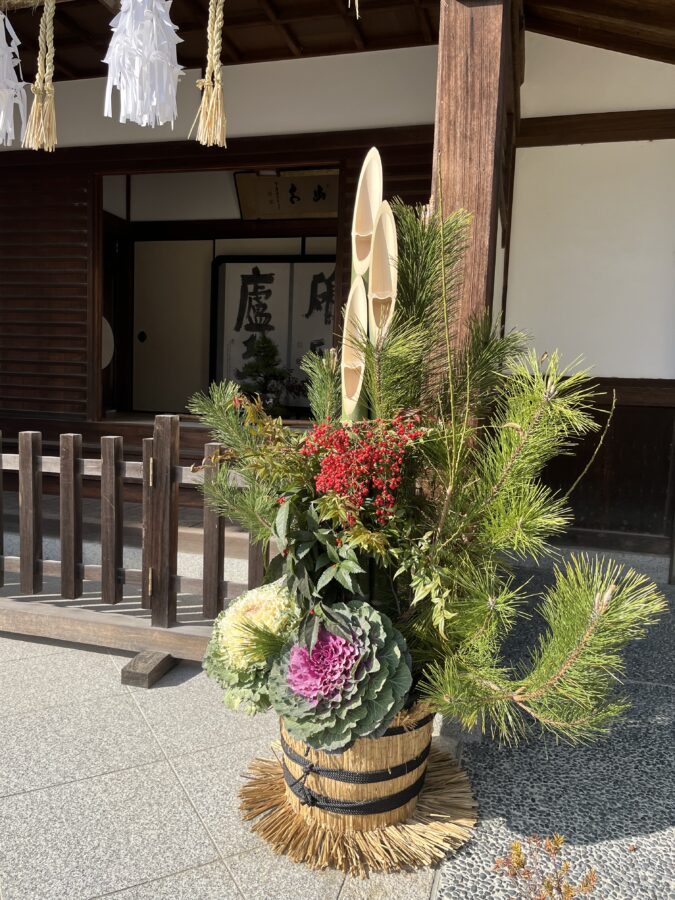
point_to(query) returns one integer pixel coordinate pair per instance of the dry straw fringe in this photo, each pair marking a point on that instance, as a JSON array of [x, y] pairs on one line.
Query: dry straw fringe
[[41, 126], [443, 821], [211, 131]]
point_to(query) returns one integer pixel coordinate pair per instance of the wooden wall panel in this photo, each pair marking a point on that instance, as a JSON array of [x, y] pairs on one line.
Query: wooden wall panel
[[44, 293]]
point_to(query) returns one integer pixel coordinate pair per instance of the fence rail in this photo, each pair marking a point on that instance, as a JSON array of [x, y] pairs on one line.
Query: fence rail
[[161, 477]]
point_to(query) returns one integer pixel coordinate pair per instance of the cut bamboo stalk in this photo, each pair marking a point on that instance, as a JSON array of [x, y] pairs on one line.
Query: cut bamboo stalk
[[353, 363], [366, 205], [383, 274]]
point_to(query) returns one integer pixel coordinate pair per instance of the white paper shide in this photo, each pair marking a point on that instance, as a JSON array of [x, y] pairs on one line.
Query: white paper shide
[[12, 86], [142, 63]]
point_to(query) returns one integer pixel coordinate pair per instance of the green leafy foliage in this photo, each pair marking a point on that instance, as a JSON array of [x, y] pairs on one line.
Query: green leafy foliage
[[469, 500]]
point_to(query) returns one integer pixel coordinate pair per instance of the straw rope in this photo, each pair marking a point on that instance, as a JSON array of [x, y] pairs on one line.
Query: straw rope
[[41, 126], [211, 131], [442, 822]]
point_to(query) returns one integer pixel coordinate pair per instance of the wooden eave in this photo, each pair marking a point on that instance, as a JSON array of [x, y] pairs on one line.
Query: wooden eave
[[264, 30]]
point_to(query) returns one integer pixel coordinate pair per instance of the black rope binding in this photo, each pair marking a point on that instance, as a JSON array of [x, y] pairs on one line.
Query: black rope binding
[[403, 729], [348, 777], [308, 797]]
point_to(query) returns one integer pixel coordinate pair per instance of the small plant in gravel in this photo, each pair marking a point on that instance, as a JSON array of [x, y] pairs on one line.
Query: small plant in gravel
[[538, 871]]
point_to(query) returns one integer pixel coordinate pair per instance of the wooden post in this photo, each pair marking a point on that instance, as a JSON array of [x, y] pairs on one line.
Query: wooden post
[[112, 523], [30, 512], [146, 539], [2, 527], [470, 96], [256, 565], [70, 503], [164, 511], [214, 543]]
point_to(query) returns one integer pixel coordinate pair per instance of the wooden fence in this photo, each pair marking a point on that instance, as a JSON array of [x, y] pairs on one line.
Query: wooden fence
[[161, 477]]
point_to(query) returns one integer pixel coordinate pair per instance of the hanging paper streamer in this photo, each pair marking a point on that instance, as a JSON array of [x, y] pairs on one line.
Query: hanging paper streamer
[[142, 63], [211, 131], [12, 85], [41, 127]]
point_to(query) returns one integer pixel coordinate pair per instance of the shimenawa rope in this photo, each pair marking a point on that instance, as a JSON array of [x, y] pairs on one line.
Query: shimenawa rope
[[41, 126], [211, 130]]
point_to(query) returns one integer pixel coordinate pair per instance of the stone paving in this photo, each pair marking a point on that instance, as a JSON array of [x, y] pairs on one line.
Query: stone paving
[[112, 791]]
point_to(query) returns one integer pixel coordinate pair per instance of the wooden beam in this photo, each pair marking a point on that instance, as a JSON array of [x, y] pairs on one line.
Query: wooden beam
[[597, 128], [146, 668], [472, 70], [600, 37], [101, 629], [641, 14]]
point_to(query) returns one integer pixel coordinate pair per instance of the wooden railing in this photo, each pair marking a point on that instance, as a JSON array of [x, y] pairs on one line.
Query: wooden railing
[[162, 477]]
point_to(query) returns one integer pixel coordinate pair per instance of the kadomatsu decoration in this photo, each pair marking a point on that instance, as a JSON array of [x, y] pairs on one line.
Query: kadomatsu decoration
[[399, 514], [142, 63], [12, 86]]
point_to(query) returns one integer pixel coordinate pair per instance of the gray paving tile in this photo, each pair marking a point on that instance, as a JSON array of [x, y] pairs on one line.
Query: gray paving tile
[[90, 837], [56, 744], [71, 677], [212, 779], [211, 882], [186, 712], [408, 885], [13, 647], [263, 875]]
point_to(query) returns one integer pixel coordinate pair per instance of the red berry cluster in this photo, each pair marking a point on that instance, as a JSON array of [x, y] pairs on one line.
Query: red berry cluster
[[362, 460]]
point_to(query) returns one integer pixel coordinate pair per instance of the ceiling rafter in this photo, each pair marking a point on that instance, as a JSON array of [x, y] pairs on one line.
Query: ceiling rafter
[[351, 23], [284, 30], [203, 17], [599, 37], [425, 23], [642, 14]]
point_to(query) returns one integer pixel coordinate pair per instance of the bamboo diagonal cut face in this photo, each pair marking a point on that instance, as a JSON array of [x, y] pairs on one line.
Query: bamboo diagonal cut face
[[366, 206], [353, 364], [383, 274]]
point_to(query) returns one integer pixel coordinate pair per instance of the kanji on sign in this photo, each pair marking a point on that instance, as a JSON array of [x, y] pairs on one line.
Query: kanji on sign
[[253, 299], [322, 296]]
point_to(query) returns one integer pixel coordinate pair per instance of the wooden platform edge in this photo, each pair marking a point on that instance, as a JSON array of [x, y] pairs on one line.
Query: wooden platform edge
[[100, 629]]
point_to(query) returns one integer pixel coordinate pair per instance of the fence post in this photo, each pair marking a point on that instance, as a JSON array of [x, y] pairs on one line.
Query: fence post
[[30, 512], [256, 564], [164, 512], [146, 540], [2, 519], [214, 542], [70, 514], [112, 523]]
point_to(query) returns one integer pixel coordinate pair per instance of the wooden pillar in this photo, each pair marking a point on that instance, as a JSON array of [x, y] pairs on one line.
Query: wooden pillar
[[472, 84]]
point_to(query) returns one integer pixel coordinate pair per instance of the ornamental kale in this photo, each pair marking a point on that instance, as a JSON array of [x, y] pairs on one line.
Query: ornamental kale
[[350, 682]]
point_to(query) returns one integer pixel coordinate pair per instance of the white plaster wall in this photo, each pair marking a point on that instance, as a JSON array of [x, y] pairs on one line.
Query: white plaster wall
[[183, 195], [563, 78], [331, 93], [592, 259]]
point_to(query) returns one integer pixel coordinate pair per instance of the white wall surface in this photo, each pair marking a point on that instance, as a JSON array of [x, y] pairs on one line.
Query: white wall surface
[[592, 260], [330, 93], [183, 195], [563, 78]]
